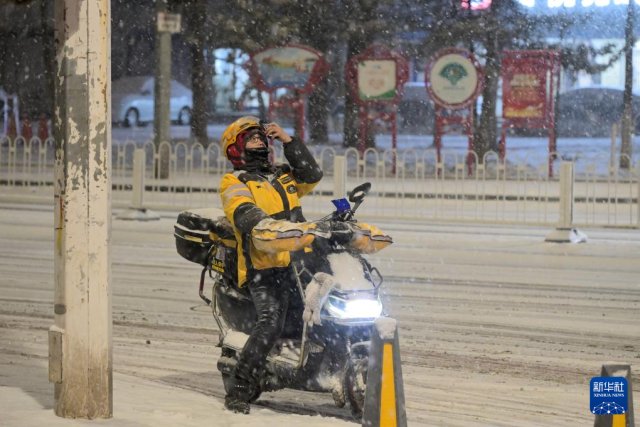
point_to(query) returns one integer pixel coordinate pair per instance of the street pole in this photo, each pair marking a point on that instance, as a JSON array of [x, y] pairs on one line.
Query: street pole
[[80, 341], [161, 125], [627, 113]]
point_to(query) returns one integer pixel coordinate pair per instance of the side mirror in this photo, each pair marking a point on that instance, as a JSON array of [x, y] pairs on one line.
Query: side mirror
[[358, 193]]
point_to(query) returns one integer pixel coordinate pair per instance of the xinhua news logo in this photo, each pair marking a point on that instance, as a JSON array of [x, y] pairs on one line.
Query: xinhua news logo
[[608, 395]]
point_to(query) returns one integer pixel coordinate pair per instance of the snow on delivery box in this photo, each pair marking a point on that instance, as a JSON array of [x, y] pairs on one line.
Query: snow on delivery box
[[205, 236]]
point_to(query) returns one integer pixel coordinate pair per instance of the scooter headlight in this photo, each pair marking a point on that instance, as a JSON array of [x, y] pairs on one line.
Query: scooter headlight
[[353, 308]]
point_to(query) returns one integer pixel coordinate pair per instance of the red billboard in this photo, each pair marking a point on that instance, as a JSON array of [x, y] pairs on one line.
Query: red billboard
[[527, 87]]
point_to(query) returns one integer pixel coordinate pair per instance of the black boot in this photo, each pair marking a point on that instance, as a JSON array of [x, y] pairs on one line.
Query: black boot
[[236, 405], [239, 395]]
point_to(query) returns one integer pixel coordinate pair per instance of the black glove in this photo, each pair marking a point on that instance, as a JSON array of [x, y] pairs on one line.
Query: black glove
[[335, 231], [341, 232]]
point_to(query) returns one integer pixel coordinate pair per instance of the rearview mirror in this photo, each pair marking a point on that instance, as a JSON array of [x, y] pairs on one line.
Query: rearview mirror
[[358, 193]]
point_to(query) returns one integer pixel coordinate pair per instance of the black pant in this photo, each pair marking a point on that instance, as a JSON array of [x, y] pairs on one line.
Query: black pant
[[270, 292]]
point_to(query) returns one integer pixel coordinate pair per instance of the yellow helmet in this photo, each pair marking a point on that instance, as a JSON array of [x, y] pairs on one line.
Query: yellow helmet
[[232, 147]]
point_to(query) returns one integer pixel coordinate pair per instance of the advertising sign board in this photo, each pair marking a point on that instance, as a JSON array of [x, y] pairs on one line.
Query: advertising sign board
[[453, 78], [377, 80], [296, 67], [525, 84], [292, 66], [169, 22], [530, 83]]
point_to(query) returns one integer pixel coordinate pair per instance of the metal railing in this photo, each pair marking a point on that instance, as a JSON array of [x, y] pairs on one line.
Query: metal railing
[[408, 184]]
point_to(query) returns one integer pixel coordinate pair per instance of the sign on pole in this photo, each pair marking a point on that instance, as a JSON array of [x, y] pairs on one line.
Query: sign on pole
[[530, 80], [453, 78], [376, 78], [454, 81], [296, 67], [169, 22]]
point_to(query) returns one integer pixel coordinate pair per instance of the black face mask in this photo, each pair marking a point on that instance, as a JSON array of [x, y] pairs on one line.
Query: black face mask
[[257, 160]]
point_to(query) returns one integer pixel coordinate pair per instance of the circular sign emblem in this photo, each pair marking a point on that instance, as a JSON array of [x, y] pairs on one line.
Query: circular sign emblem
[[453, 78]]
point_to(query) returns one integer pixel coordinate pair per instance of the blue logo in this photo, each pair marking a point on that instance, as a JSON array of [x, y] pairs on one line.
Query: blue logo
[[342, 205], [608, 395]]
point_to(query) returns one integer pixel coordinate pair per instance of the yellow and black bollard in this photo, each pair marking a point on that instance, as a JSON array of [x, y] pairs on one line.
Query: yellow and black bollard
[[617, 419], [384, 398]]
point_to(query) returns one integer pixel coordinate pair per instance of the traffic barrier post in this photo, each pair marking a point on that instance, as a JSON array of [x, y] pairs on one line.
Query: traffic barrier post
[[384, 399], [617, 420], [564, 232], [137, 211]]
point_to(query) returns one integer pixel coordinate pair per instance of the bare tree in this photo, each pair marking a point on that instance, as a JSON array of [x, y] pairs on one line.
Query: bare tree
[[627, 113]]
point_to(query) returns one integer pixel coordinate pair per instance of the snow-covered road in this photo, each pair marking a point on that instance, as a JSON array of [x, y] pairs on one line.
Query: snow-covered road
[[497, 328]]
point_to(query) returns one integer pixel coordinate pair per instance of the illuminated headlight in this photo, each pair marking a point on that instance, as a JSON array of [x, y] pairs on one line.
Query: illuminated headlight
[[353, 309]]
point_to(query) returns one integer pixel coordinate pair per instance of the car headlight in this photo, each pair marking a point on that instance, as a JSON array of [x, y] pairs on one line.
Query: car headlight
[[353, 309]]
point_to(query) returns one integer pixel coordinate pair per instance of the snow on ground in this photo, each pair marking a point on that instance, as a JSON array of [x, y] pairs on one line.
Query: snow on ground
[[139, 402], [497, 327]]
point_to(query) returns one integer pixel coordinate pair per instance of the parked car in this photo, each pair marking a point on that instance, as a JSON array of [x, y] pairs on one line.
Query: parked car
[[132, 100], [591, 111], [416, 110]]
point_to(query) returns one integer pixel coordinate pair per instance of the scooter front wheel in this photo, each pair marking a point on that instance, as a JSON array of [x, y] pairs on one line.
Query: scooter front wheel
[[356, 385]]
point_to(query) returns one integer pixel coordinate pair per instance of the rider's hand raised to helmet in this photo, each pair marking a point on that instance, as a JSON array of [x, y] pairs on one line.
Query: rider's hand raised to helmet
[[273, 130]]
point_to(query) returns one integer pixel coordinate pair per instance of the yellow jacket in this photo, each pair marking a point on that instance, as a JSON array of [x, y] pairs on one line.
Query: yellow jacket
[[249, 197]]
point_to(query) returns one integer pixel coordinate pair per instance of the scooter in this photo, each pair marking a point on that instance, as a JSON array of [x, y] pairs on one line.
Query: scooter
[[325, 345]]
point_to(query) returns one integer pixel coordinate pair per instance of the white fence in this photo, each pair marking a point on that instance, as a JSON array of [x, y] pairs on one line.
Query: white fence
[[418, 187]]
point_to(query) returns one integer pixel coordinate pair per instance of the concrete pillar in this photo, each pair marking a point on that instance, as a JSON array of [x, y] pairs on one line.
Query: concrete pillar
[[137, 211], [565, 220], [80, 342], [564, 232], [138, 179]]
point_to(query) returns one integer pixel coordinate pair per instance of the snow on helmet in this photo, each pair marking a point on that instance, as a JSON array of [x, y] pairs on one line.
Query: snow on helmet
[[233, 141]]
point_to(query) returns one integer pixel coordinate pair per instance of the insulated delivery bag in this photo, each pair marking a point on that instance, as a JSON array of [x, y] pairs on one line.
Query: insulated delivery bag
[[205, 236]]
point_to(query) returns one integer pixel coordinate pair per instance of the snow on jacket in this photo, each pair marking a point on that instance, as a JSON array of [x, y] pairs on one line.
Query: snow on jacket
[[249, 197]]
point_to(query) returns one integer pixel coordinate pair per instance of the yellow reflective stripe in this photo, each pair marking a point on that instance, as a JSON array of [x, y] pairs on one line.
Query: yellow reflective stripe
[[388, 389], [239, 189], [618, 420], [236, 187], [228, 195]]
